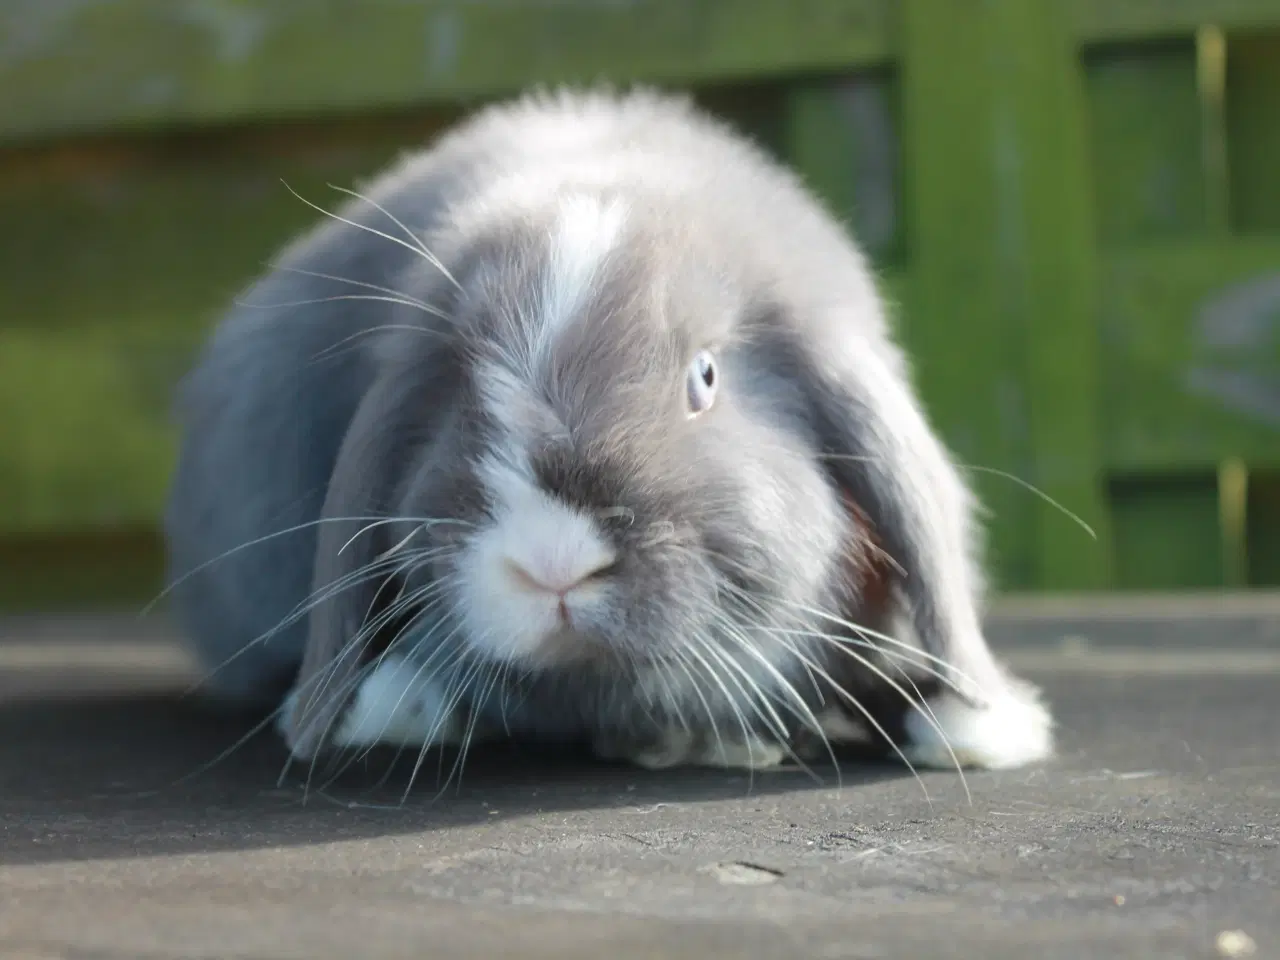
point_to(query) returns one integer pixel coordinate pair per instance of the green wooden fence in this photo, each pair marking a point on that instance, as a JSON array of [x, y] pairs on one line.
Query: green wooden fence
[[1074, 206]]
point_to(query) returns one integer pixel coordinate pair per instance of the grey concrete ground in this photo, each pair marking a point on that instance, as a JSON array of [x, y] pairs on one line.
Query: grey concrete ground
[[1155, 831]]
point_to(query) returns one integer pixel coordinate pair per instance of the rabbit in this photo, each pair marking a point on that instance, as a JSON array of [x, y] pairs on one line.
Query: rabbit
[[584, 422]]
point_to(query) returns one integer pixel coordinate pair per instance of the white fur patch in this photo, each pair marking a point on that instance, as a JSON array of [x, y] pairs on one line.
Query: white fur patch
[[509, 402], [586, 232], [1012, 730], [512, 571], [679, 748], [838, 727], [395, 705]]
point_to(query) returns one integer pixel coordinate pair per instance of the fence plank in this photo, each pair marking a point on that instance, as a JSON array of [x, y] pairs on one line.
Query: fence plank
[[1263, 528], [1192, 345], [1148, 172], [1001, 239], [1253, 130], [1167, 531], [68, 66], [843, 139], [969, 373], [1149, 137], [1253, 138]]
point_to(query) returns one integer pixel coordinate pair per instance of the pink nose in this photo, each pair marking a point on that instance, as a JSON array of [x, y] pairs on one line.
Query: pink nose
[[559, 583]]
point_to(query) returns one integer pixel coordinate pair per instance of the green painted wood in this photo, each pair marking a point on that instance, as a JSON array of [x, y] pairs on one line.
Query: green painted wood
[[1145, 137], [1191, 335], [1153, 140], [842, 137], [1167, 533], [81, 571], [1002, 281], [967, 365], [1109, 20], [112, 265], [822, 145], [68, 66], [1233, 498], [757, 109], [1253, 130], [1262, 527], [1018, 155], [1211, 56]]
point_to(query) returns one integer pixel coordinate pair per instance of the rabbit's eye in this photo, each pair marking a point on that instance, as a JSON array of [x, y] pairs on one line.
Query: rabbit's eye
[[702, 380]]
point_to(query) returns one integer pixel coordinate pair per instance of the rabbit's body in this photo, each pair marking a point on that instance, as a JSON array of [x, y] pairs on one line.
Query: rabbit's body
[[604, 409]]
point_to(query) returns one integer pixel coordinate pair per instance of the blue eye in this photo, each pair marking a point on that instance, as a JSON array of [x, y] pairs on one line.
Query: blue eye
[[702, 380]]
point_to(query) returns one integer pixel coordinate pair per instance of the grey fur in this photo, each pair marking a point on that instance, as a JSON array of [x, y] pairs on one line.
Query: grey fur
[[330, 413]]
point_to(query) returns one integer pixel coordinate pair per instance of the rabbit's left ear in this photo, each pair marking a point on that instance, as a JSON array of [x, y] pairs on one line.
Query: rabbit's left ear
[[881, 451], [347, 544]]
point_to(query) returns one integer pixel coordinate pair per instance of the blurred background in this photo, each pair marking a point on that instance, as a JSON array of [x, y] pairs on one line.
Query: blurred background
[[1073, 207]]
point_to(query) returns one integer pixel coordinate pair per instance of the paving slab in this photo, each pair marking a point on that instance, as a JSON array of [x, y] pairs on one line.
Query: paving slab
[[1154, 832]]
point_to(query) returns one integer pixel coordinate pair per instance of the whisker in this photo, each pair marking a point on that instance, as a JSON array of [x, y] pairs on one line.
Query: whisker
[[363, 575], [338, 298], [373, 570], [1027, 485], [334, 348], [364, 285], [870, 718], [706, 705], [258, 541], [801, 711], [371, 627], [417, 248], [477, 668], [417, 240], [922, 707], [732, 701]]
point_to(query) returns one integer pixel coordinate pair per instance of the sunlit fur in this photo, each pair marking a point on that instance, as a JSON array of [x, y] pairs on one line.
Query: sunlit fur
[[453, 420]]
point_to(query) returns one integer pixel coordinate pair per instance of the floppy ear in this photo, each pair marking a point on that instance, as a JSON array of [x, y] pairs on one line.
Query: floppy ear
[[884, 456], [366, 473]]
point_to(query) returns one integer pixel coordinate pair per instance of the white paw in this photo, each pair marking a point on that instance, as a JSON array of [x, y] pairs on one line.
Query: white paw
[[752, 754], [680, 748], [835, 727], [395, 705], [1012, 730]]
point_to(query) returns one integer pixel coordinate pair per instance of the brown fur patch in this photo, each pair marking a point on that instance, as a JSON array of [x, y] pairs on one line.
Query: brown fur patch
[[871, 569]]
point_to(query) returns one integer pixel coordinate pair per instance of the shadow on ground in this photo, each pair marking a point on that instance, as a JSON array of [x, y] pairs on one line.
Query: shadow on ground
[[214, 780]]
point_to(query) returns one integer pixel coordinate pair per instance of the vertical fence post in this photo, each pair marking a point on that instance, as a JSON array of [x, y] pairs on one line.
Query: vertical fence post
[[1001, 238]]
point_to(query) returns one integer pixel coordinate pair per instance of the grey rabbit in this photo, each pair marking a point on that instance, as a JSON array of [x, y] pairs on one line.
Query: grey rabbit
[[585, 422]]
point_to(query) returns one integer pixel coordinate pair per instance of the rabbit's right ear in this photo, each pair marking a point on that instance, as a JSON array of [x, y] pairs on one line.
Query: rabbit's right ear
[[882, 453], [349, 541]]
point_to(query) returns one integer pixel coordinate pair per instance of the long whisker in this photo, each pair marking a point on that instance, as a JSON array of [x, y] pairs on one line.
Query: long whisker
[[362, 284], [773, 722], [921, 706], [800, 709], [336, 347], [417, 249], [339, 297], [867, 715], [258, 541], [706, 705], [417, 240], [370, 571], [477, 669], [1027, 485], [370, 628]]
